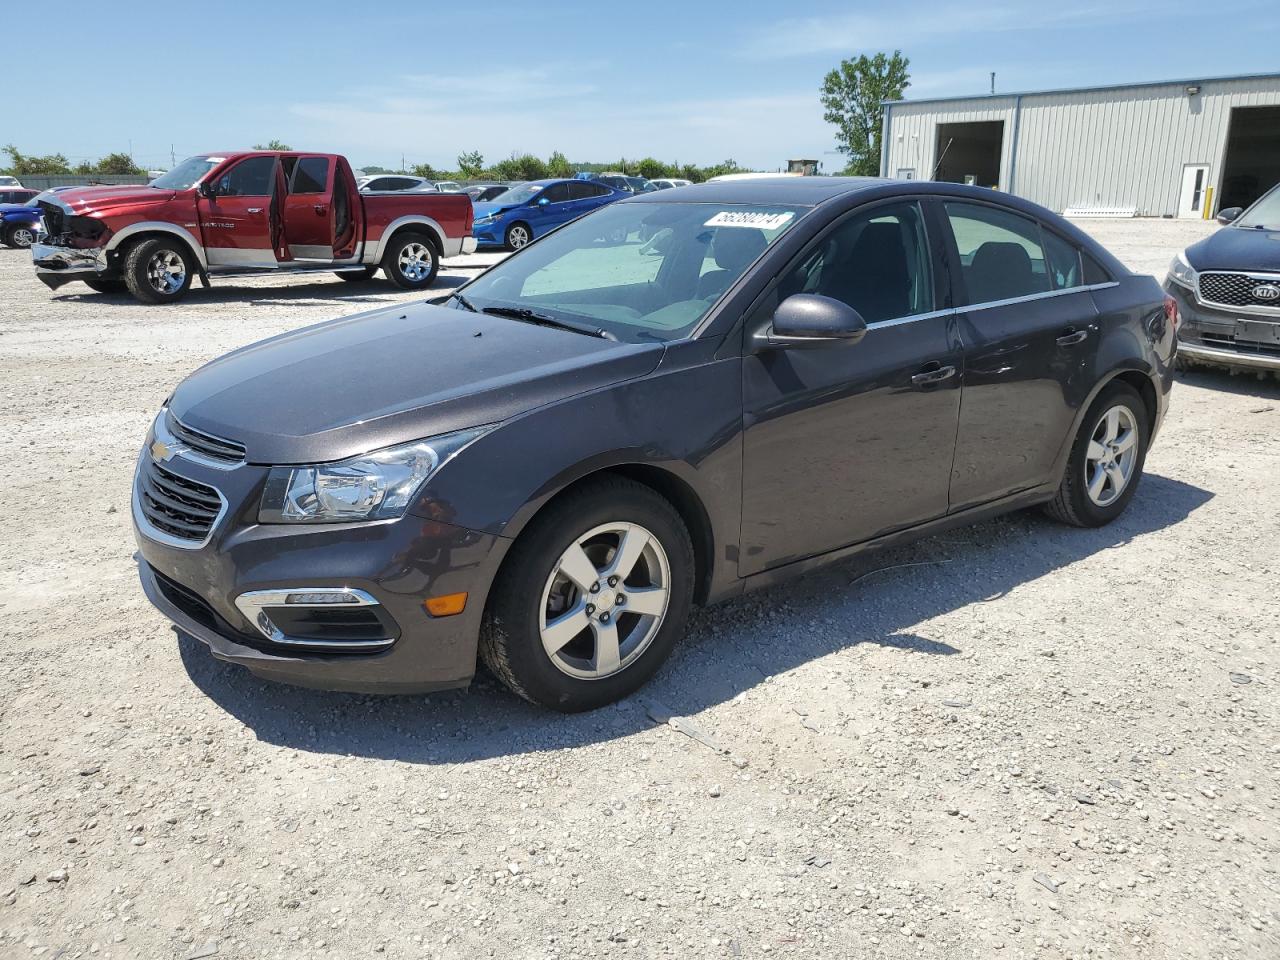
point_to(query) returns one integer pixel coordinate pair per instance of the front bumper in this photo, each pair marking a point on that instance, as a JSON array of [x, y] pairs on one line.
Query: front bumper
[[58, 265], [396, 564], [1219, 337], [489, 235]]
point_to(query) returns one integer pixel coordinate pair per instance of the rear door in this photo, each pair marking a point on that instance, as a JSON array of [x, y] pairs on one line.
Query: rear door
[[240, 224], [308, 208], [1030, 333]]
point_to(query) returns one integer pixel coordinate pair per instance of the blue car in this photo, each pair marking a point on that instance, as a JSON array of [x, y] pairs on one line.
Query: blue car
[[20, 222], [529, 210]]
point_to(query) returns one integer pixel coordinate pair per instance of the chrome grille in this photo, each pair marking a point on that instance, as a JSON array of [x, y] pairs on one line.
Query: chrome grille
[[1236, 290], [177, 506], [205, 444]]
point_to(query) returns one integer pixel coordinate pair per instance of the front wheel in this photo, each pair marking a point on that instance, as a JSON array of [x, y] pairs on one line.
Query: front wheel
[[411, 262], [158, 270], [1106, 460], [105, 284], [519, 235], [20, 236], [592, 598]]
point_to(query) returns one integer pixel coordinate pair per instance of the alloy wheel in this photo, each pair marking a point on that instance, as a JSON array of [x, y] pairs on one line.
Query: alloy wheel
[[166, 272], [604, 601], [1112, 455], [22, 237], [518, 237], [416, 260]]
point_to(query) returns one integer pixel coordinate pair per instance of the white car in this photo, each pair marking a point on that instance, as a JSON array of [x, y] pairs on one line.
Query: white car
[[667, 183], [9, 182], [448, 186], [395, 183]]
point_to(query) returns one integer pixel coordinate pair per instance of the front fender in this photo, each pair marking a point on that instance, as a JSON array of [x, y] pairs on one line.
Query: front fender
[[160, 226]]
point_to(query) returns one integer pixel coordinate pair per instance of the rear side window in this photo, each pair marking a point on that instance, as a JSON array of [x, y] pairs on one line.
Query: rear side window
[[1094, 272], [248, 178], [1063, 261], [1001, 255], [876, 262], [311, 175]]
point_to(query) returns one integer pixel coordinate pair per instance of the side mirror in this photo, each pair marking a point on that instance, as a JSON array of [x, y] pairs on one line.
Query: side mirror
[[208, 190], [808, 320], [1229, 215], [542, 201]]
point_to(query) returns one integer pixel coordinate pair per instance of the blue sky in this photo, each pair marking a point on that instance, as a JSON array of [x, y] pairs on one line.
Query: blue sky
[[694, 82]]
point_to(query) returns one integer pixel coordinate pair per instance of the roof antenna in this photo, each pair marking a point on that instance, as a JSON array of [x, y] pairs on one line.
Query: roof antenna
[[993, 83]]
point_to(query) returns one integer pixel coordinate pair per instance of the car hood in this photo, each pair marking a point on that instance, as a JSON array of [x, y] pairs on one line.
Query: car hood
[[348, 386], [488, 208], [1237, 248], [99, 199]]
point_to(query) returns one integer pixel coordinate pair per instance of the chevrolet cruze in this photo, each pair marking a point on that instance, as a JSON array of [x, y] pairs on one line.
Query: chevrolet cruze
[[547, 471]]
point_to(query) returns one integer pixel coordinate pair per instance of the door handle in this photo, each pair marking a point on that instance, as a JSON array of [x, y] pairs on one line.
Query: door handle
[[1072, 338], [321, 209], [928, 377], [253, 209]]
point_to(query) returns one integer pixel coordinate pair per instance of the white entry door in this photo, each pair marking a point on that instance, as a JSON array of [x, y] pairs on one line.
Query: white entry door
[[1195, 180]]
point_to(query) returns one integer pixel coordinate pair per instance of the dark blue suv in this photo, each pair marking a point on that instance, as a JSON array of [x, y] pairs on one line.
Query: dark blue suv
[[529, 210]]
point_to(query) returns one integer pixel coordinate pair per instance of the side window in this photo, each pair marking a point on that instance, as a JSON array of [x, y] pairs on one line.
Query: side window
[[1000, 252], [1063, 260], [248, 178], [311, 175], [580, 190], [557, 192], [1094, 272], [877, 262]]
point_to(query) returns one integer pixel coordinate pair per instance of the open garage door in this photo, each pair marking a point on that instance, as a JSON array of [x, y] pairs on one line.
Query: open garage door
[[969, 153], [1252, 164]]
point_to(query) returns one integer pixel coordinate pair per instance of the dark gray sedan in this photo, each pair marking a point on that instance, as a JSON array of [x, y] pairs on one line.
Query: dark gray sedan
[[604, 430]]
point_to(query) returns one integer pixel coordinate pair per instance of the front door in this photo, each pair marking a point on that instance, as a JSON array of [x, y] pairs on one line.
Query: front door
[[240, 224], [1195, 183], [846, 442], [551, 208], [1030, 332], [308, 208]]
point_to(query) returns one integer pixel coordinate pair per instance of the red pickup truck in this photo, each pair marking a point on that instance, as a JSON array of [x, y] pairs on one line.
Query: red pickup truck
[[242, 213]]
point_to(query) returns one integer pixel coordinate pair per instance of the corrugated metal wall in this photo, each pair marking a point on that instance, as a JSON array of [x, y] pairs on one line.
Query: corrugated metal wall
[[1119, 147]]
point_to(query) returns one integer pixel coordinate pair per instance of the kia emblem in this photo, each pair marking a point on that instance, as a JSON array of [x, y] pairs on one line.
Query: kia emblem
[[1267, 292]]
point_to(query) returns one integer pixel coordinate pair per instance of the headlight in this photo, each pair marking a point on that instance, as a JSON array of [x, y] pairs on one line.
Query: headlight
[[1181, 271], [484, 220], [375, 486]]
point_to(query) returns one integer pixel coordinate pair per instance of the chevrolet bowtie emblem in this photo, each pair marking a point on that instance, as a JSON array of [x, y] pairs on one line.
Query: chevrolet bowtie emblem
[[160, 450]]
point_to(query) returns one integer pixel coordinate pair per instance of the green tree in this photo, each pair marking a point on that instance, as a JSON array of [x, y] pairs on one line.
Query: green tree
[[369, 171], [118, 163], [853, 95], [21, 163], [272, 145], [423, 170], [471, 164], [650, 169], [519, 167], [558, 165]]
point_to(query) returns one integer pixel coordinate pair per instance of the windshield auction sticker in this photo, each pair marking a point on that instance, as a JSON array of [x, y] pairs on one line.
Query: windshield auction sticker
[[749, 218]]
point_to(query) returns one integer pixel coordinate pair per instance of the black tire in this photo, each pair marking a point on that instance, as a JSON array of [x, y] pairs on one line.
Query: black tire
[[510, 636], [20, 236], [145, 263], [519, 235], [411, 261], [1073, 503], [357, 276], [106, 284]]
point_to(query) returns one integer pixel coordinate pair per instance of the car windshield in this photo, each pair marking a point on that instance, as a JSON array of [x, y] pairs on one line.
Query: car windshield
[[1265, 213], [639, 271], [186, 174], [519, 193]]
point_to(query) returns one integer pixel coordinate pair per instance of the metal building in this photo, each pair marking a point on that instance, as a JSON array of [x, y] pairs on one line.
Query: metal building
[[1178, 148]]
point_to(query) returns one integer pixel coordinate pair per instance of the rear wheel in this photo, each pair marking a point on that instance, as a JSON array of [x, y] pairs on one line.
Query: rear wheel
[[592, 598], [1106, 460], [20, 236], [158, 270], [519, 235], [411, 261], [357, 276]]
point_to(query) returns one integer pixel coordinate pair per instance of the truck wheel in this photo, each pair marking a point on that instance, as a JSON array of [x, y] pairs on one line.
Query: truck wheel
[[411, 262], [158, 270], [106, 284], [357, 276], [20, 236], [518, 235]]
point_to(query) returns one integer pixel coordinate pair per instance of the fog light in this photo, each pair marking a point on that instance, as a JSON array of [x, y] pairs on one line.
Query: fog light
[[449, 605]]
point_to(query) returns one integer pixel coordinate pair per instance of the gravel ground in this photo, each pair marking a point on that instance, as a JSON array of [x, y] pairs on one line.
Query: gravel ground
[[1018, 740]]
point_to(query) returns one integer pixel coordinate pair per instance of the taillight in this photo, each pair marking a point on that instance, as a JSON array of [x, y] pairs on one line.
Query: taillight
[[1171, 314]]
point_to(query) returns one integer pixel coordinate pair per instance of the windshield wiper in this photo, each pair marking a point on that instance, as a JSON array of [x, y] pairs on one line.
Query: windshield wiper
[[464, 301], [545, 320]]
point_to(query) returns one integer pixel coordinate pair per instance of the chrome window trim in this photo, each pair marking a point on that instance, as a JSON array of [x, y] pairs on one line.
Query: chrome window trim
[[991, 304], [151, 532], [1256, 309], [252, 603]]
